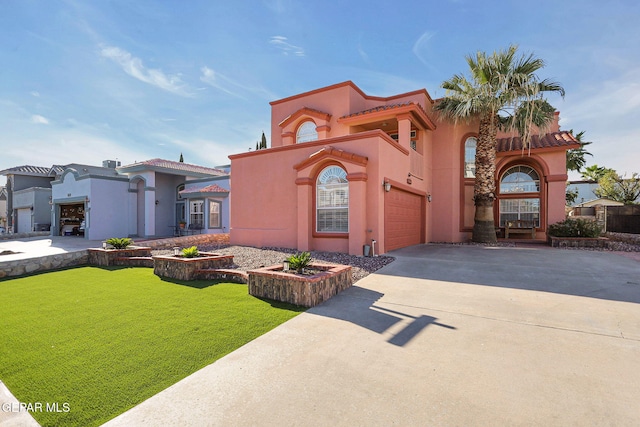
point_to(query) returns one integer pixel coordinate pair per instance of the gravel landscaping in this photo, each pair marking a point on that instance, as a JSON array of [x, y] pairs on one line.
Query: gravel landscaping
[[247, 258]]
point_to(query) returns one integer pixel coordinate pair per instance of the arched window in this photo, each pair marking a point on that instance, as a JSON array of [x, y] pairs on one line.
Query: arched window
[[332, 201], [307, 132], [470, 157], [520, 195], [179, 188]]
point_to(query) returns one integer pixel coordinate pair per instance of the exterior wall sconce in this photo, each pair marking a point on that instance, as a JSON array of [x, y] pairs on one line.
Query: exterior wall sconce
[[285, 265], [387, 186], [429, 197], [157, 202], [176, 250]]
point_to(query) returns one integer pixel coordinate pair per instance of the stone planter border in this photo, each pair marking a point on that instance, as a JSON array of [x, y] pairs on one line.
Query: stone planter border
[[181, 268], [578, 242], [107, 257], [307, 291]]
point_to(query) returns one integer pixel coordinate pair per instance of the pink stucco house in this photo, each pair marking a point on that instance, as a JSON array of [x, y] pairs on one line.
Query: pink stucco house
[[345, 169]]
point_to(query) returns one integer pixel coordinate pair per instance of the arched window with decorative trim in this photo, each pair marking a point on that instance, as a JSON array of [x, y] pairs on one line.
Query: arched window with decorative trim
[[332, 201], [306, 132], [520, 195], [470, 157]]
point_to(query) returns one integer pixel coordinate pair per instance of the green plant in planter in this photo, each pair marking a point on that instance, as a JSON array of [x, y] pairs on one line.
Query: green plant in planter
[[119, 242], [578, 227], [191, 252], [299, 261]]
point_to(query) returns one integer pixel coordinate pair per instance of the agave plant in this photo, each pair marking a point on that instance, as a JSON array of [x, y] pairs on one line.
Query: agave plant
[[119, 242], [191, 252], [299, 261]]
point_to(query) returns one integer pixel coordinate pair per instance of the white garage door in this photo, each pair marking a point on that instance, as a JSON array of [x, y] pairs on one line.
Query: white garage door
[[24, 220]]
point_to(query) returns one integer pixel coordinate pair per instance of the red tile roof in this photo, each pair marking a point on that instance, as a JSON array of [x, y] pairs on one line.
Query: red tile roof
[[379, 108], [560, 139], [180, 166], [213, 188]]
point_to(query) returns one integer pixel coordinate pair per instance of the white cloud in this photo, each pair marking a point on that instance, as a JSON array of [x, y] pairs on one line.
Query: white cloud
[[39, 120], [35, 93], [232, 87], [217, 81], [135, 68], [287, 48], [421, 48]]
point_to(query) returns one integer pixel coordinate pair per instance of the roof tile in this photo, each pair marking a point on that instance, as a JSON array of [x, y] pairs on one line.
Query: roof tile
[[560, 139]]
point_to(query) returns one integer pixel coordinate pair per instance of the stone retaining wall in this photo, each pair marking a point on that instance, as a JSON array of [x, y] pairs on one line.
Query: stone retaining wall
[[15, 236], [105, 257], [235, 276], [578, 242], [36, 265], [307, 291], [181, 268], [186, 241]]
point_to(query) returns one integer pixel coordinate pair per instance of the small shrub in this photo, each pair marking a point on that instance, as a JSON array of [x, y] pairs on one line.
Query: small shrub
[[575, 228], [119, 242], [191, 252], [299, 261]]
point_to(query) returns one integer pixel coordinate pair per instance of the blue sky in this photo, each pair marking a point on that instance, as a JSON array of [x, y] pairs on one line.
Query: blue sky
[[85, 81]]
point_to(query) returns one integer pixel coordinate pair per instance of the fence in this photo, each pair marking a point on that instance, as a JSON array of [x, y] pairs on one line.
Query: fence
[[623, 219]]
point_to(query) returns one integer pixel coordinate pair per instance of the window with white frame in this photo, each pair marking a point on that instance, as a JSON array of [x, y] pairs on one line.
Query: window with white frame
[[332, 201], [520, 195], [307, 132], [470, 157], [196, 212], [215, 208]]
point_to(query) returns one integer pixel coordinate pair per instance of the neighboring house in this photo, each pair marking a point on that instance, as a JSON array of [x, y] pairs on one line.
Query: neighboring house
[[346, 169], [585, 191], [28, 192], [144, 199]]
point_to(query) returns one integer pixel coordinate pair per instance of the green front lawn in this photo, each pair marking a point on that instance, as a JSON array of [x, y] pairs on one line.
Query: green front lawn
[[99, 341]]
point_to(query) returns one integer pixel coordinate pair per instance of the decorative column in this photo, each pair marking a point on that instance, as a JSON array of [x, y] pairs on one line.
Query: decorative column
[[357, 212], [305, 214], [404, 131]]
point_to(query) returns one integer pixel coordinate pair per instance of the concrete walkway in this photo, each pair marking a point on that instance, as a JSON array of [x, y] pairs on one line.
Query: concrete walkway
[[36, 247], [444, 336]]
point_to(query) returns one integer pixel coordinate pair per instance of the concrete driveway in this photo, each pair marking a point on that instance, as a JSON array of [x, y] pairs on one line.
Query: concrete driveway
[[444, 336]]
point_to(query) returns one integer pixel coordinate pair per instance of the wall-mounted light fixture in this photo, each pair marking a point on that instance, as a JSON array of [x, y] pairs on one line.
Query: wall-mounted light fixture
[[104, 245], [176, 250], [285, 265], [157, 202], [387, 186], [429, 197]]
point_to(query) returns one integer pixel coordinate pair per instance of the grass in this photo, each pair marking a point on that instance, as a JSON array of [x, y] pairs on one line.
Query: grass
[[103, 340]]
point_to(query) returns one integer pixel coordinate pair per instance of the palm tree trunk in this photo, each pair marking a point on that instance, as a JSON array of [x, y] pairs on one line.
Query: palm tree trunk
[[485, 186]]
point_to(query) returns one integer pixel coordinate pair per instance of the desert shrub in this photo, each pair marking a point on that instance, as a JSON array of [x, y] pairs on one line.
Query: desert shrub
[[299, 261], [578, 227], [119, 242], [191, 252]]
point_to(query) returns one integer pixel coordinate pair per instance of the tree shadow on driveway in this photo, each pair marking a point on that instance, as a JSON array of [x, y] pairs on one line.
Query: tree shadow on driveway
[[358, 306]]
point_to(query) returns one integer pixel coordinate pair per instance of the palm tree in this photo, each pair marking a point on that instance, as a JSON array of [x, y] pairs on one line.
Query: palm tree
[[575, 157], [503, 92], [595, 173]]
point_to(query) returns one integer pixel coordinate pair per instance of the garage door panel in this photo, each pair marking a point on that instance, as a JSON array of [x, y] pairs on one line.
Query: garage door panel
[[24, 220], [404, 223]]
